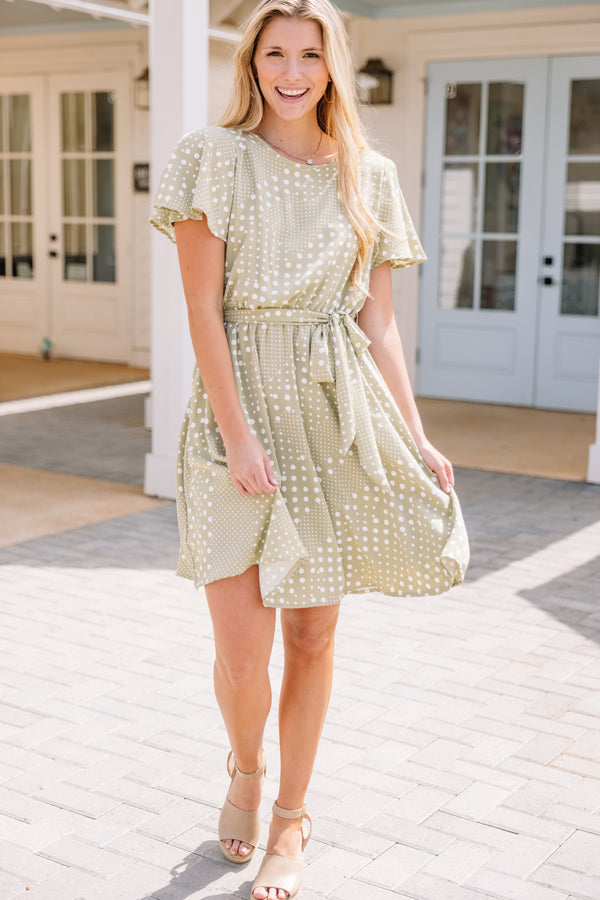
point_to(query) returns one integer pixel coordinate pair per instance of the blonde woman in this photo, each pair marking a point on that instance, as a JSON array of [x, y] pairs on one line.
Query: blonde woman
[[304, 472]]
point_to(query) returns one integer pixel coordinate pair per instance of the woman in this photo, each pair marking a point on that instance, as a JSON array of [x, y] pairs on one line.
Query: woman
[[304, 472]]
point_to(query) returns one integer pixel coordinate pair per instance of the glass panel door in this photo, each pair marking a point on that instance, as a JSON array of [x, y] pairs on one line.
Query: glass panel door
[[88, 186], [483, 182], [581, 241], [569, 343], [90, 226], [16, 187], [480, 195]]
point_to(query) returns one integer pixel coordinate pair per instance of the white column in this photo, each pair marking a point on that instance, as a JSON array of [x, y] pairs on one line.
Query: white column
[[594, 457], [178, 104]]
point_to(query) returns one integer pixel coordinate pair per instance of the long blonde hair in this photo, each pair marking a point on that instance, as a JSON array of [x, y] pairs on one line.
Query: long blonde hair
[[337, 111]]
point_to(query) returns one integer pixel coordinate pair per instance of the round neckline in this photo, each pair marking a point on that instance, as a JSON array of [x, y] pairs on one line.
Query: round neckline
[[287, 159]]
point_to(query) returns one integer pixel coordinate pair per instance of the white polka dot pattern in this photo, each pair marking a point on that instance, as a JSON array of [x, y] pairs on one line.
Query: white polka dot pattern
[[356, 508]]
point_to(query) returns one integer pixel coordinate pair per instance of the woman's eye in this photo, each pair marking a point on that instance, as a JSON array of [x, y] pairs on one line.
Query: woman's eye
[[273, 53], [313, 55]]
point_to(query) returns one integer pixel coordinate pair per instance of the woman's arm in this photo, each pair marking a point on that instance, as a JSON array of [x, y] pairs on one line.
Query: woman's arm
[[202, 264], [377, 320]]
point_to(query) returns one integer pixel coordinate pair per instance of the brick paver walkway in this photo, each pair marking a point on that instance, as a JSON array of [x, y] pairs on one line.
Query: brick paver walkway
[[461, 758]]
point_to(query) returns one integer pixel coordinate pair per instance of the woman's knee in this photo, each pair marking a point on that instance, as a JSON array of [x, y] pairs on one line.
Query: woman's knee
[[243, 668], [308, 636]]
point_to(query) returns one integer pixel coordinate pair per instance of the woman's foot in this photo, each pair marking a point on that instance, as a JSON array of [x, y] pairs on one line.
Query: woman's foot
[[286, 839], [239, 823], [244, 793]]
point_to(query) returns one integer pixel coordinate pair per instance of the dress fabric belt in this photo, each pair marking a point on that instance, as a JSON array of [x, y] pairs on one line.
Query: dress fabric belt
[[336, 335]]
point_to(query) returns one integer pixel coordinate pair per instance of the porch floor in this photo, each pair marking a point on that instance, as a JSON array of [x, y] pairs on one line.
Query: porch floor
[[31, 376], [516, 440]]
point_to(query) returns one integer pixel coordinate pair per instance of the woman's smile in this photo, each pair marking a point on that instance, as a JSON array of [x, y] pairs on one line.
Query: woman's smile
[[290, 94]]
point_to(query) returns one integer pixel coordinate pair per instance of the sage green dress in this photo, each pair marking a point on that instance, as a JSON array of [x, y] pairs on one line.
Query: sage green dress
[[356, 508]]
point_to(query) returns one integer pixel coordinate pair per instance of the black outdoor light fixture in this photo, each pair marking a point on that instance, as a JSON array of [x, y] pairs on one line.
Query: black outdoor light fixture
[[375, 82], [141, 90]]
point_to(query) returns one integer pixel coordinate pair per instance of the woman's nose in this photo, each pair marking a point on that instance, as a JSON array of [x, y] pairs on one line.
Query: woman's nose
[[292, 69]]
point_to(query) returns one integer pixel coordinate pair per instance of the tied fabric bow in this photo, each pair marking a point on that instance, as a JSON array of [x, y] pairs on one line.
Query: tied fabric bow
[[336, 337]]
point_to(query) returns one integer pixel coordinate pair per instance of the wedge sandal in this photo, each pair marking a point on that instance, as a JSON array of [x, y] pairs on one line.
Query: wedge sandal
[[279, 872], [239, 824]]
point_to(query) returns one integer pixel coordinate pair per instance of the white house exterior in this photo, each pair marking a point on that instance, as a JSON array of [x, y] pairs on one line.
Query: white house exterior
[[494, 127]]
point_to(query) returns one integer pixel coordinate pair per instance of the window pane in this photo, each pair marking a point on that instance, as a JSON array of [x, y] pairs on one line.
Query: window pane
[[104, 253], [502, 197], [74, 187], [19, 124], [75, 255], [459, 198], [103, 196], [456, 273], [463, 112], [581, 283], [20, 187], [505, 118], [103, 121], [73, 122], [22, 250], [2, 251], [584, 133], [582, 199], [498, 275]]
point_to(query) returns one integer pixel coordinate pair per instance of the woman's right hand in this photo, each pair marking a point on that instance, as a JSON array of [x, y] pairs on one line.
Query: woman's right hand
[[249, 466]]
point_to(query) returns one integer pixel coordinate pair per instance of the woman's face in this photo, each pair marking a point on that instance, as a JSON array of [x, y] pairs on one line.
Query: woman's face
[[290, 67]]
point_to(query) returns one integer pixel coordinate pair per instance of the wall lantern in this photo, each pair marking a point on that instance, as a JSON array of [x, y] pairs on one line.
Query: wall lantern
[[141, 90], [375, 82]]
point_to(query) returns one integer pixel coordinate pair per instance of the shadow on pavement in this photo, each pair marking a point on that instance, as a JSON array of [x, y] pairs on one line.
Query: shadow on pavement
[[105, 440], [573, 598], [195, 873]]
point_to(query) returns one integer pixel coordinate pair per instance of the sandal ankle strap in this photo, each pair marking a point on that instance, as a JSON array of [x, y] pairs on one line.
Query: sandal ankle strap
[[289, 813], [232, 768], [296, 814]]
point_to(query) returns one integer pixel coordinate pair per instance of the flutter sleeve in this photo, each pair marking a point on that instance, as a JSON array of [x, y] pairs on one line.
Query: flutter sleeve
[[197, 181], [397, 240]]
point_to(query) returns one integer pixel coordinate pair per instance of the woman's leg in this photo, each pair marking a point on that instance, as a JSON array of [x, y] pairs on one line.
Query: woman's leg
[[308, 636], [243, 630]]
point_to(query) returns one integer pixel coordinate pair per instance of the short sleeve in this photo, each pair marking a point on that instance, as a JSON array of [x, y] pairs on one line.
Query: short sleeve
[[197, 181], [397, 240]]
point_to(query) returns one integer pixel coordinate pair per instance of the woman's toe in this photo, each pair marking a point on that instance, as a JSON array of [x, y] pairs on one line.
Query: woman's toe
[[260, 893]]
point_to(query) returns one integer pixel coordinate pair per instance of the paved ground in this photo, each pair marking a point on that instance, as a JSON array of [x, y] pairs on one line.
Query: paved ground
[[461, 759], [95, 440]]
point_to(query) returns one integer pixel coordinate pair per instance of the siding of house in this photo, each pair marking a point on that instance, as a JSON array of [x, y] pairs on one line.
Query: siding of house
[[407, 45]]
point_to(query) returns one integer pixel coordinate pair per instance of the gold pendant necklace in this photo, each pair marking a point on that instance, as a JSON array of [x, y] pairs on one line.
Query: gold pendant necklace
[[309, 162]]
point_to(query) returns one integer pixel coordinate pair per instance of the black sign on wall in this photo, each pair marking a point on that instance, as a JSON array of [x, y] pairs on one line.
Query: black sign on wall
[[141, 178]]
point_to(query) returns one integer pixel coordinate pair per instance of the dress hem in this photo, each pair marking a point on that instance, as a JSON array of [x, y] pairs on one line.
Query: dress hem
[[367, 589]]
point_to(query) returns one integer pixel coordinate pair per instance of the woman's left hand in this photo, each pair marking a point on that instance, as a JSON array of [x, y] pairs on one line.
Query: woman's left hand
[[438, 464]]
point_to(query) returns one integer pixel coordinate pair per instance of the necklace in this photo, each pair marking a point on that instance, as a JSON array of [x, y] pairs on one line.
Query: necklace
[[309, 162]]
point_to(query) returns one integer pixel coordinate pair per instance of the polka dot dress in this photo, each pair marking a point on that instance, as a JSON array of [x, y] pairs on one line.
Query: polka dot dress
[[356, 508]]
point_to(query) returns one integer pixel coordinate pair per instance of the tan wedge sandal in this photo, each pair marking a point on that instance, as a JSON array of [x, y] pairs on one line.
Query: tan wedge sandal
[[240, 824], [279, 872]]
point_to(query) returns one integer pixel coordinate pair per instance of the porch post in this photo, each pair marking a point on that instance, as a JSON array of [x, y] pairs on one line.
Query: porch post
[[178, 104], [594, 456]]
